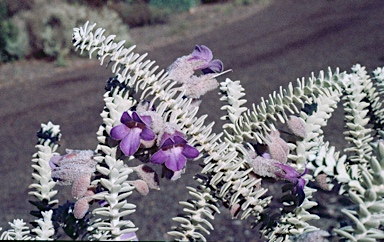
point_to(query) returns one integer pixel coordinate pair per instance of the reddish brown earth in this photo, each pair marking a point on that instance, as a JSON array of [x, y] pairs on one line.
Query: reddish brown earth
[[270, 48]]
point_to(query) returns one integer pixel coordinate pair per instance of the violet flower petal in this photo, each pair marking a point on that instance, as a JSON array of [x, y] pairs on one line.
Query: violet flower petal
[[175, 160], [300, 190], [125, 118], [147, 134], [119, 132], [131, 142], [266, 155], [213, 67], [202, 52], [164, 137], [178, 140], [301, 196], [54, 160], [190, 152], [295, 177], [146, 119], [136, 118], [290, 174], [159, 157], [167, 142]]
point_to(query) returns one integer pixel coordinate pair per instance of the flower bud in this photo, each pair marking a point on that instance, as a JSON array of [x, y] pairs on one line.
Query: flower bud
[[322, 182], [81, 208], [277, 147], [148, 175], [80, 185], [297, 126], [141, 186], [234, 210], [67, 168]]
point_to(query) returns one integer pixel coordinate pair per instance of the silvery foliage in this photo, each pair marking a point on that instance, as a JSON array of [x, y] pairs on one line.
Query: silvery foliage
[[227, 176]]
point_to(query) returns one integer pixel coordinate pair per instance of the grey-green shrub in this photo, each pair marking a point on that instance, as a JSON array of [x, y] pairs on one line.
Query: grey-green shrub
[[139, 13], [9, 37], [174, 5], [48, 26]]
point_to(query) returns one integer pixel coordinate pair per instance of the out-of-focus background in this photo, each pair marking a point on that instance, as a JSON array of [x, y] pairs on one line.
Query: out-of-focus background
[[267, 44]]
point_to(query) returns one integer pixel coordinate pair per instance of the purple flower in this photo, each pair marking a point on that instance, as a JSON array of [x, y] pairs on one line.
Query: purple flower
[[174, 151], [131, 130], [205, 54], [289, 173]]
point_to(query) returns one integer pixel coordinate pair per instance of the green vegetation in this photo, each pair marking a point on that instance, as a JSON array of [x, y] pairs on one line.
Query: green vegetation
[[174, 5], [42, 29], [8, 37]]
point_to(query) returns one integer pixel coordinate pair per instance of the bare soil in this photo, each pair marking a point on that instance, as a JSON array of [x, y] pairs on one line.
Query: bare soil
[[267, 47]]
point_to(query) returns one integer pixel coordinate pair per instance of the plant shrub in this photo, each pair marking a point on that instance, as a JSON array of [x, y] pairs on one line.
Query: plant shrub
[[49, 26], [139, 13], [9, 37], [174, 5], [13, 6]]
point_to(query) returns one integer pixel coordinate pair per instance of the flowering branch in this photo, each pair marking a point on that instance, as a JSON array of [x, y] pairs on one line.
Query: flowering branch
[[150, 116]]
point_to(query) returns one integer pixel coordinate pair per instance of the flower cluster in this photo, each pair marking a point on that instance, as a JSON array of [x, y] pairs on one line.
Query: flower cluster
[[272, 160], [76, 168], [183, 71], [265, 166], [168, 147]]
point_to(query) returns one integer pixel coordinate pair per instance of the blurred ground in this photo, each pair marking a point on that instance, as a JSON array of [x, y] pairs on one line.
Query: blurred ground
[[266, 48]]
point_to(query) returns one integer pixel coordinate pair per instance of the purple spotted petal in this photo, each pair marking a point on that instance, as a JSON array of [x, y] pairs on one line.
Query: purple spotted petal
[[175, 160], [147, 134], [159, 157], [119, 132], [190, 152], [202, 52], [125, 118], [130, 143]]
